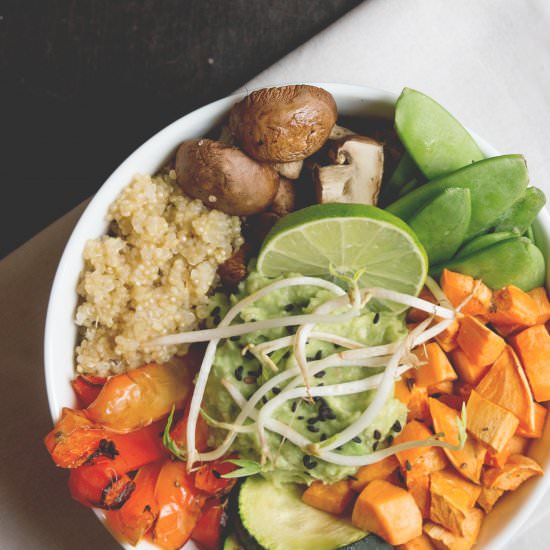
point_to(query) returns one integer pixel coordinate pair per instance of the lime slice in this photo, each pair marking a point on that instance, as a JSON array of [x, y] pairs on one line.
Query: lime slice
[[346, 238]]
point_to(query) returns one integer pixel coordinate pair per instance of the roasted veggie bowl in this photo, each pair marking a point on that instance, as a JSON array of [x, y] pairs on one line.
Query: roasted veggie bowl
[[367, 368]]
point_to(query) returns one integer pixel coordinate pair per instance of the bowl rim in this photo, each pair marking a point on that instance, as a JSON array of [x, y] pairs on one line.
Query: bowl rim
[[73, 250]]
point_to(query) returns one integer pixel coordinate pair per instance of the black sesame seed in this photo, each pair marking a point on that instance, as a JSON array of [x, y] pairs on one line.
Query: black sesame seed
[[294, 406], [264, 399], [248, 354], [286, 355], [356, 439], [328, 413], [313, 428], [216, 311], [289, 307], [320, 374], [376, 318], [376, 434], [299, 417], [396, 426], [313, 420], [408, 466], [389, 439], [323, 437], [216, 319], [410, 383], [341, 448], [239, 373], [276, 390], [309, 463], [234, 338], [318, 355], [375, 445]]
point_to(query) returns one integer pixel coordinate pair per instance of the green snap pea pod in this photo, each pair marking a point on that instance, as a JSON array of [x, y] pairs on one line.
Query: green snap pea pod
[[530, 234], [519, 217], [407, 188], [442, 224], [514, 261], [436, 141], [494, 184], [483, 241], [405, 172]]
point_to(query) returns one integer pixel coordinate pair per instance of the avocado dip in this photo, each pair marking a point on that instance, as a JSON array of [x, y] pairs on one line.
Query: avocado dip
[[317, 420]]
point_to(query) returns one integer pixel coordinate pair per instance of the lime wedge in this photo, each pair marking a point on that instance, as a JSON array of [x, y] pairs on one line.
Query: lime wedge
[[346, 238]]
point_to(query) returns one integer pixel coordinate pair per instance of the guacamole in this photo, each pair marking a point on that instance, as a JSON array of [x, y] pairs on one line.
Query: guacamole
[[318, 420]]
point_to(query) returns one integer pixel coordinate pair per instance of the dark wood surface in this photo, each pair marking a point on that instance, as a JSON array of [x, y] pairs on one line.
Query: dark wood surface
[[84, 82]]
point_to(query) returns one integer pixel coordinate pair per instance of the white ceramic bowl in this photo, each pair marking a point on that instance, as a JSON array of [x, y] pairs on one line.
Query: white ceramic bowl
[[60, 336]]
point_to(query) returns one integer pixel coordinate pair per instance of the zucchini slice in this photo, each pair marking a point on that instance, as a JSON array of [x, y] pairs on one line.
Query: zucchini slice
[[275, 517]]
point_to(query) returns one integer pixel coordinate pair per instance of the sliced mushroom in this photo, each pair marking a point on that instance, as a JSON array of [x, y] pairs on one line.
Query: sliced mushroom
[[355, 176], [234, 269], [339, 132], [290, 170], [285, 199], [223, 177], [283, 124]]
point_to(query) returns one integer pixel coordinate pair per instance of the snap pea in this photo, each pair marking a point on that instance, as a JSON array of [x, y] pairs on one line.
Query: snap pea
[[405, 172], [442, 224], [494, 183], [436, 141], [522, 213], [514, 261], [483, 241], [530, 234]]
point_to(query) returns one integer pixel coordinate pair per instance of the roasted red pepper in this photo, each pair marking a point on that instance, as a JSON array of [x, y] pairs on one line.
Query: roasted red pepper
[[208, 531], [208, 478], [87, 388]]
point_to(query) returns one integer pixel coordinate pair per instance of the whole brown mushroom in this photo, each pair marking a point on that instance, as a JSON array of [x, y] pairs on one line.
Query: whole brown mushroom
[[283, 124], [223, 177], [285, 199]]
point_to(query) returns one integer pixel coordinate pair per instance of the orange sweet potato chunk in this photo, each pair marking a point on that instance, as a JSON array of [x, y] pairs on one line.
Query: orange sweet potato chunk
[[379, 470], [518, 469], [447, 338], [468, 461], [418, 405], [479, 343], [533, 347], [334, 498], [452, 497], [388, 511], [516, 445], [402, 391], [506, 385], [540, 420], [443, 387], [418, 485], [435, 367], [422, 542], [488, 498], [413, 431], [443, 539], [467, 370], [489, 422], [540, 297], [457, 287], [513, 306]]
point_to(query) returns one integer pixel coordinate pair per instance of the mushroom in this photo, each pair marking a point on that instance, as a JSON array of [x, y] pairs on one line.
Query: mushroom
[[285, 199], [290, 170], [223, 177], [356, 173], [339, 132], [283, 124]]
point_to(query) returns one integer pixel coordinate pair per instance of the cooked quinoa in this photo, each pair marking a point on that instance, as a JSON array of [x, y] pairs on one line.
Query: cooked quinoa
[[150, 276]]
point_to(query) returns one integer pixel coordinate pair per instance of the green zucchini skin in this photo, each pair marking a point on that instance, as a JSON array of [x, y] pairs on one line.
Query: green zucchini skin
[[370, 542]]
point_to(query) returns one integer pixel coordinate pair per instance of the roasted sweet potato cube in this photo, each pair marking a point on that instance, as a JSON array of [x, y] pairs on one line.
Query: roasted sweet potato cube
[[506, 385], [540, 297], [467, 370], [479, 343], [443, 539], [533, 347], [379, 470], [516, 446], [334, 498], [441, 388], [513, 306], [469, 460], [418, 485], [459, 287], [518, 469], [422, 542], [507, 330], [435, 367], [540, 420], [488, 498], [402, 390], [452, 497], [489, 422], [388, 511], [447, 338], [418, 405], [413, 431]]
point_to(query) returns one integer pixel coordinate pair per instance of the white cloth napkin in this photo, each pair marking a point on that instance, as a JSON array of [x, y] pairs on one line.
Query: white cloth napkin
[[487, 61]]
